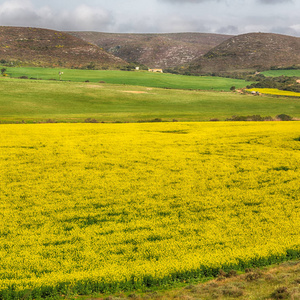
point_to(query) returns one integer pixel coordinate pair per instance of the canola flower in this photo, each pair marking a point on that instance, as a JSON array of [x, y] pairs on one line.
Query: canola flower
[[103, 206], [275, 92]]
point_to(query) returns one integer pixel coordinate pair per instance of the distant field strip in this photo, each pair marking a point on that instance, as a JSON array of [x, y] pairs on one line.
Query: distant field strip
[[276, 73], [141, 78], [100, 207]]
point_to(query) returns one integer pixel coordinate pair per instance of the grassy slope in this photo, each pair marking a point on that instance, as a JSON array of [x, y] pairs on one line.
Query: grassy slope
[[276, 73], [31, 100], [257, 284], [143, 78]]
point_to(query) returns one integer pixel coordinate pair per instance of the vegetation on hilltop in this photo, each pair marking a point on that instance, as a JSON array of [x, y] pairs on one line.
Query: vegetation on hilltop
[[252, 51], [155, 50], [21, 46]]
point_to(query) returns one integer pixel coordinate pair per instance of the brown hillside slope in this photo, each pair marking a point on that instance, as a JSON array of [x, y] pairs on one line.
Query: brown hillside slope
[[257, 51], [155, 50], [49, 48]]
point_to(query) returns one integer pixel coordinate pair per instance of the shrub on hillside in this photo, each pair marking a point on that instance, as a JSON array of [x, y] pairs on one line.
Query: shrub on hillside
[[281, 293], [91, 66], [90, 120], [292, 88], [250, 118], [153, 120], [281, 82], [284, 117], [51, 121]]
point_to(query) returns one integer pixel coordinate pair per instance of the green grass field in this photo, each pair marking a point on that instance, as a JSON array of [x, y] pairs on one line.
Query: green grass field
[[35, 101], [141, 78], [276, 73]]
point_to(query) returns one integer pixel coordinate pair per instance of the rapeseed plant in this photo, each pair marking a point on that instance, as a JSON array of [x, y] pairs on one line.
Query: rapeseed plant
[[97, 207]]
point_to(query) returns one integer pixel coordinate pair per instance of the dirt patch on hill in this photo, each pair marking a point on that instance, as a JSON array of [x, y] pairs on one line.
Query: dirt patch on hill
[[94, 86], [134, 92]]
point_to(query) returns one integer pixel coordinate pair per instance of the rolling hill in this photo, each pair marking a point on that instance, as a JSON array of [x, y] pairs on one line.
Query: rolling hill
[[255, 51], [199, 52], [155, 50], [49, 48]]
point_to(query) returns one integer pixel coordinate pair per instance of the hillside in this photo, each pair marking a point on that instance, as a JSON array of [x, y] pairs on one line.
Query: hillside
[[155, 50], [256, 51], [49, 48]]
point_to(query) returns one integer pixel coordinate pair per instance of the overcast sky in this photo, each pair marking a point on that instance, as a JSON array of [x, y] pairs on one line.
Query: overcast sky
[[145, 16]]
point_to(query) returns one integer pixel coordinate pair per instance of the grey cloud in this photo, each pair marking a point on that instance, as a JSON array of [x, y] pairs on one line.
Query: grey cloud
[[86, 18], [287, 30], [218, 16], [188, 1], [17, 13], [232, 30], [143, 27], [23, 13], [170, 24], [181, 24], [274, 1]]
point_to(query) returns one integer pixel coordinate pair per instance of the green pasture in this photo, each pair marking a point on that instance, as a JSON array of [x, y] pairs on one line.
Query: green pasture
[[276, 73], [39, 101], [139, 78]]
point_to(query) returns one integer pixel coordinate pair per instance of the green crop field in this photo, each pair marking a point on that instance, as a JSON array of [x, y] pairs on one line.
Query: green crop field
[[141, 78], [276, 73], [35, 101]]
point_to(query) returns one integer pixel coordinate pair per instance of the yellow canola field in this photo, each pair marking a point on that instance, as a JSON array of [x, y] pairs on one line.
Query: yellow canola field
[[275, 92], [125, 202]]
